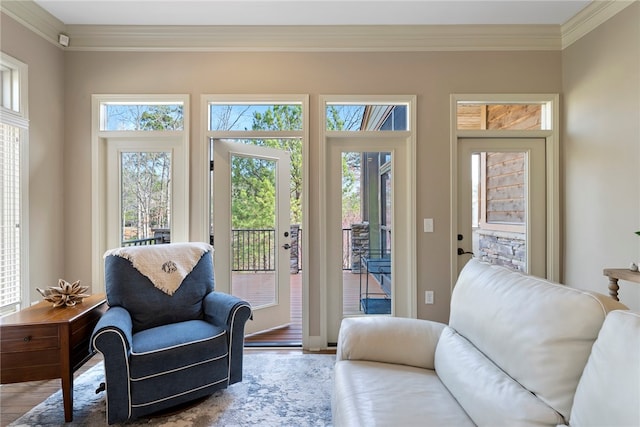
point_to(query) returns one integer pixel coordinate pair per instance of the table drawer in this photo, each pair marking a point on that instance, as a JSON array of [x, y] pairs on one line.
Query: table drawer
[[29, 338], [29, 366]]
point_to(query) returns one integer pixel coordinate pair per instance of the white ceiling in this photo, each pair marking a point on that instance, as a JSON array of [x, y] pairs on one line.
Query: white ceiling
[[311, 12]]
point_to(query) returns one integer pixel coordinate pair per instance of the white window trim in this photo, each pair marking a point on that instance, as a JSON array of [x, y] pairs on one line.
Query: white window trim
[[203, 168], [205, 191], [98, 168], [20, 119], [410, 300], [550, 120]]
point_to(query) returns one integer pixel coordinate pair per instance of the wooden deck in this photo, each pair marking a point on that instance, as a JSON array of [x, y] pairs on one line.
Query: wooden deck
[[291, 335]]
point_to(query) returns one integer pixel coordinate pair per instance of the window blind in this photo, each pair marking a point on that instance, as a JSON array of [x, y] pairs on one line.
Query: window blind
[[9, 216]]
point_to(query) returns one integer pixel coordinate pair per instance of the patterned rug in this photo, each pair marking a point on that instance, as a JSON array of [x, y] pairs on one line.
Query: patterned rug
[[276, 390]]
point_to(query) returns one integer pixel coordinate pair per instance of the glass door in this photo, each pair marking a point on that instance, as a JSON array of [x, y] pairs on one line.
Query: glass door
[[367, 206], [502, 203], [251, 229]]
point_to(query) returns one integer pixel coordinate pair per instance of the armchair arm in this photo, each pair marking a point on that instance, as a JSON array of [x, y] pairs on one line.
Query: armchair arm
[[112, 337], [116, 320], [232, 313], [389, 339]]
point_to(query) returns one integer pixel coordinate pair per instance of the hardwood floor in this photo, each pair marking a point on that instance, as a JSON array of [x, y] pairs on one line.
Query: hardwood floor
[[291, 335], [18, 399]]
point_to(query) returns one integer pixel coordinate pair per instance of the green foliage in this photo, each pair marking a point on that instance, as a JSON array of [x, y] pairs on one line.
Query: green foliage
[[253, 193], [334, 119], [254, 182], [162, 117], [351, 211]]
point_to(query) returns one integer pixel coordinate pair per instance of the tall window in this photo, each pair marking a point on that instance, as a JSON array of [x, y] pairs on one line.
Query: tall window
[[13, 136], [145, 174], [140, 172]]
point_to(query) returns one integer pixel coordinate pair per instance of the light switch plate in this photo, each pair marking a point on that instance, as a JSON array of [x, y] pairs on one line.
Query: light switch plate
[[428, 225]]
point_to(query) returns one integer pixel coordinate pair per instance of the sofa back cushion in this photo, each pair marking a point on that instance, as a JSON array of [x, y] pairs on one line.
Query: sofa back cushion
[[150, 307], [608, 393], [537, 332], [487, 394]]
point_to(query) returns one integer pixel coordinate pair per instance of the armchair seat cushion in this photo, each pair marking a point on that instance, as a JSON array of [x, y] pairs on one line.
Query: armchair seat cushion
[[167, 348], [176, 360]]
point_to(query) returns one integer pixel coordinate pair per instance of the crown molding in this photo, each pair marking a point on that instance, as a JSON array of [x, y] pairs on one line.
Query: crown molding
[[35, 18], [595, 14], [341, 38], [315, 38]]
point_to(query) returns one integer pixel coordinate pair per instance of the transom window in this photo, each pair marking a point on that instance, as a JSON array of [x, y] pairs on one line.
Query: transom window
[[137, 116], [366, 117], [485, 116]]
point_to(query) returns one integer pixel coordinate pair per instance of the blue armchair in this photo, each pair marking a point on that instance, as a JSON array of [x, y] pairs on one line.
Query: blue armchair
[[162, 350]]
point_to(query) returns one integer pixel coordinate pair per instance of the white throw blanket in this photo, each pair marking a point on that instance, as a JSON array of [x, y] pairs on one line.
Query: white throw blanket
[[165, 265]]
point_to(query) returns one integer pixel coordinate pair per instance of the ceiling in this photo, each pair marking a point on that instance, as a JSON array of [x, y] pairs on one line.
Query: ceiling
[[311, 12]]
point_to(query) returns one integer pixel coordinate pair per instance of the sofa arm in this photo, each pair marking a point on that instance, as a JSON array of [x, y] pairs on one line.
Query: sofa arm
[[389, 339], [112, 337], [232, 313]]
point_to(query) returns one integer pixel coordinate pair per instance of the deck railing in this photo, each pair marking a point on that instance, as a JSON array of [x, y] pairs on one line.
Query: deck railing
[[143, 242], [255, 249]]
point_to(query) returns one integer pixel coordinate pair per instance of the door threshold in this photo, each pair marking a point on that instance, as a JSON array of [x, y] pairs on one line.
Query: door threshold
[[273, 344]]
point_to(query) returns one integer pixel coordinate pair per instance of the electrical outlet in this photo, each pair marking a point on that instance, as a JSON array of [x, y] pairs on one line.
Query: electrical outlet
[[428, 297]]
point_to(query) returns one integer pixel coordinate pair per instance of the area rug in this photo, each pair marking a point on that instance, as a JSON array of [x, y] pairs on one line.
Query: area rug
[[276, 390]]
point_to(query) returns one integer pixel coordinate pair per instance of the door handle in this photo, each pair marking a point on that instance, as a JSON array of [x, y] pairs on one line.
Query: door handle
[[286, 246], [462, 252]]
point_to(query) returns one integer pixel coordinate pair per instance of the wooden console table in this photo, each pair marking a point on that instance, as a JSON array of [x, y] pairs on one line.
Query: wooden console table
[[615, 274], [42, 342]]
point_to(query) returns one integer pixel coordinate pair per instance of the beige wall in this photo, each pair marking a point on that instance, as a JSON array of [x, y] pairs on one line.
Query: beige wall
[[600, 109], [46, 148], [431, 76], [601, 85]]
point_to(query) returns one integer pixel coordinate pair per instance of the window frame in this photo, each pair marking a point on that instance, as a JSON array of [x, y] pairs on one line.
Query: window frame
[[551, 133], [99, 167], [208, 134], [18, 116]]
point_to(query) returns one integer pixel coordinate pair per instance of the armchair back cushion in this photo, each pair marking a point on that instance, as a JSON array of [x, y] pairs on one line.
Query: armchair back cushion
[[150, 307]]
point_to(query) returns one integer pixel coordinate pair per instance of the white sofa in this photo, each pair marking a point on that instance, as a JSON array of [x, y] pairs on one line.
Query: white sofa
[[513, 354]]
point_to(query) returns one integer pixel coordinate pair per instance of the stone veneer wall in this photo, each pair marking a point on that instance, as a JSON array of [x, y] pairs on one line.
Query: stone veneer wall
[[502, 248], [359, 244]]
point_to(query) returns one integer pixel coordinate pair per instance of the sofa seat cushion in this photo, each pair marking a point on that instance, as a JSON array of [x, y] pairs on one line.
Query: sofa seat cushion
[[383, 394], [175, 346], [488, 394], [608, 393]]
